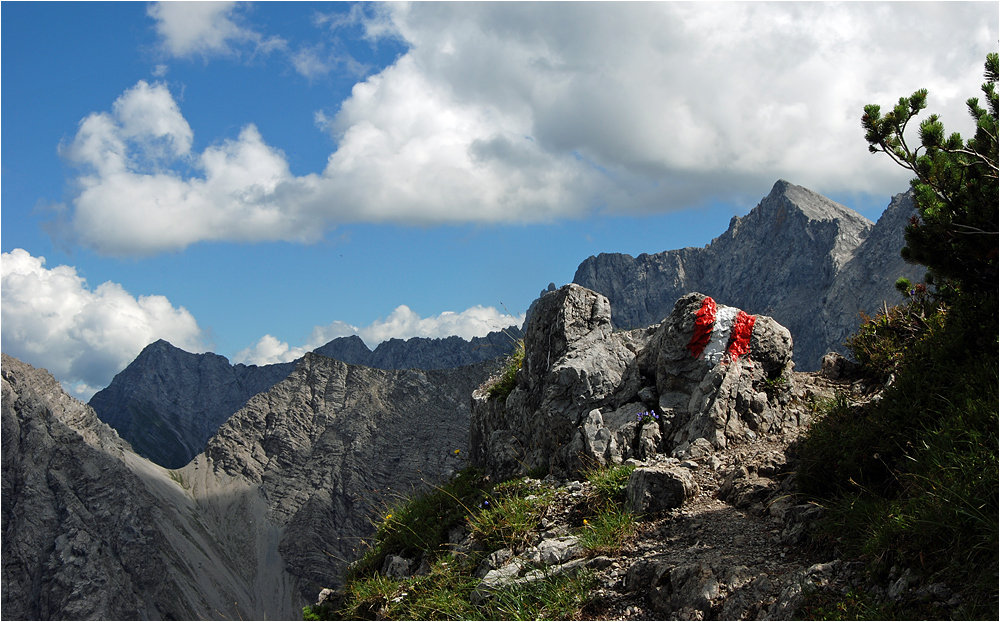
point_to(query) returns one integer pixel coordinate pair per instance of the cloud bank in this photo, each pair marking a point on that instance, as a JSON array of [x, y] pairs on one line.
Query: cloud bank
[[402, 323], [530, 112], [52, 319]]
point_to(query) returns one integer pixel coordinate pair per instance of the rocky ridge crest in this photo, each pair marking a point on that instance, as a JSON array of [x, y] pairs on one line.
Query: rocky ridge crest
[[586, 394]]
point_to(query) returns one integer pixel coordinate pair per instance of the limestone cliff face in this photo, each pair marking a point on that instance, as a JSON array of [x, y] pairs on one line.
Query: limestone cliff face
[[252, 528], [798, 257]]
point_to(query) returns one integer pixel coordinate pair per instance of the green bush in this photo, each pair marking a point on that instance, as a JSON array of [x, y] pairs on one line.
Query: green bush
[[881, 342]]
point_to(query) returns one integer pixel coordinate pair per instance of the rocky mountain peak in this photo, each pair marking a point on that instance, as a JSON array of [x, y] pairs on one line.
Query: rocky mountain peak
[[814, 205], [168, 402]]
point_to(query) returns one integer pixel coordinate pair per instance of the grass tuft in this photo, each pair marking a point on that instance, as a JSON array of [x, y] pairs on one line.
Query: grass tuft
[[499, 516], [504, 384]]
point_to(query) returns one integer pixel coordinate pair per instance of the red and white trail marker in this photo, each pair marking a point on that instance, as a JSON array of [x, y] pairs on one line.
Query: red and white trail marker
[[718, 332]]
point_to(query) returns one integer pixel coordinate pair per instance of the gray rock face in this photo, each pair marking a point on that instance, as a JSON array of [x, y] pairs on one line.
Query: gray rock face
[[332, 444], [709, 375], [254, 527], [806, 261], [868, 279], [573, 363], [167, 403]]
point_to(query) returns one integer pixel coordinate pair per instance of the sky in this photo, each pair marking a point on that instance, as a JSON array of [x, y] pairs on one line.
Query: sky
[[255, 179]]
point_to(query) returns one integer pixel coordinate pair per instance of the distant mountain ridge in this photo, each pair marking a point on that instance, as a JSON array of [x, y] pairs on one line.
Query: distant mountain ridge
[[167, 403], [422, 352], [808, 262]]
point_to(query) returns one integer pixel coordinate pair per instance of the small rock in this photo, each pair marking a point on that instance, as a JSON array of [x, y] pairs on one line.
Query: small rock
[[559, 550]]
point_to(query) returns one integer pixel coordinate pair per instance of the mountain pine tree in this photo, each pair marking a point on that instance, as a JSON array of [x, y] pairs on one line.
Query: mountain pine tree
[[955, 189]]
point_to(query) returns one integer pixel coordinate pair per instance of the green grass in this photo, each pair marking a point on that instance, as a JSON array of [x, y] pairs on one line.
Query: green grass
[[608, 483], [502, 388], [509, 515], [607, 531], [502, 515], [912, 479], [445, 594], [609, 525], [422, 522]]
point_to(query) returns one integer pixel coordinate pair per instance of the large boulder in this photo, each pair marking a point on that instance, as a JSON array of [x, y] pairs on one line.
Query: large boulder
[[587, 395], [719, 372]]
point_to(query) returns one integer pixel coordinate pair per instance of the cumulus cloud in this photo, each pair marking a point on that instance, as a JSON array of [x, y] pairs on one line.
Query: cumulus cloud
[[402, 323], [532, 112], [52, 319], [205, 28]]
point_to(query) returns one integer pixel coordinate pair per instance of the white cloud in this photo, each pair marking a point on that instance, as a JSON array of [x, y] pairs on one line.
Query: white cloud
[[402, 323], [205, 28], [52, 319], [311, 62], [531, 112]]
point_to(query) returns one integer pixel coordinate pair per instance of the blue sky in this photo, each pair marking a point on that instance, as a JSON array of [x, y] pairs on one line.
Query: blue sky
[[256, 179]]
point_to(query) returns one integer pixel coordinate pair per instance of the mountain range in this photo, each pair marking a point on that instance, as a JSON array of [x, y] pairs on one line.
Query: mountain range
[[273, 510], [167, 403], [291, 463]]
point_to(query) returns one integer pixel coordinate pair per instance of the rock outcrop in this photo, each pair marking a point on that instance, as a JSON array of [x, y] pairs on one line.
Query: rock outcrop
[[808, 262], [252, 528], [708, 376], [167, 403]]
